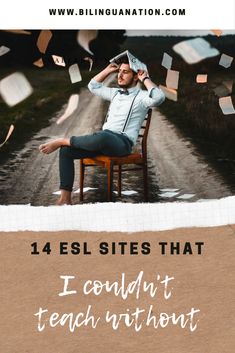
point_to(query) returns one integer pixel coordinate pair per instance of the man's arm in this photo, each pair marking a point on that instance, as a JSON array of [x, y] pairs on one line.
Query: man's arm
[[101, 76], [143, 76], [96, 84], [156, 95]]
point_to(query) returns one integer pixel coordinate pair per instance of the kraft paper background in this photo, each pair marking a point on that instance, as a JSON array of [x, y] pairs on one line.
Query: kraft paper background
[[201, 281]]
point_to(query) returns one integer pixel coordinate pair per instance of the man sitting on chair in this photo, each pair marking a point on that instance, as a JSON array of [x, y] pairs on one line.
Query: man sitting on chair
[[127, 110]]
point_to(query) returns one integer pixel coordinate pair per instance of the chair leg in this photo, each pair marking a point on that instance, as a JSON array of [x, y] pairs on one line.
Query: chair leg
[[110, 181], [82, 173], [119, 180], [145, 176]]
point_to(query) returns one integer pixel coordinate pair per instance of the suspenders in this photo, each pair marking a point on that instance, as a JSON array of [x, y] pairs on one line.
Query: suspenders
[[106, 118], [129, 113]]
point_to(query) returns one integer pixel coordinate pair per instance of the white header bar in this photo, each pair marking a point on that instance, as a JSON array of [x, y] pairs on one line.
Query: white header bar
[[123, 14]]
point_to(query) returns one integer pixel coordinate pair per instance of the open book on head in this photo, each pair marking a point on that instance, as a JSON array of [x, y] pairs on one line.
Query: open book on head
[[135, 64]]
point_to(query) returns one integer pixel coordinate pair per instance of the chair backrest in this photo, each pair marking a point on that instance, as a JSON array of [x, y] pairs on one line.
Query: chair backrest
[[144, 133]]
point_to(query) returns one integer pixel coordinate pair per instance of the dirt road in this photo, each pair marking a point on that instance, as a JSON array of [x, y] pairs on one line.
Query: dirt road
[[176, 171]]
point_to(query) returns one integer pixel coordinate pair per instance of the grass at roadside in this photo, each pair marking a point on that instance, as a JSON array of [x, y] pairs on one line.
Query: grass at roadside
[[199, 118], [51, 90], [197, 113]]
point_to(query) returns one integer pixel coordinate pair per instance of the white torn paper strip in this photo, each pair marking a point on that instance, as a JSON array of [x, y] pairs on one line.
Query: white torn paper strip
[[84, 37], [15, 88], [70, 109], [170, 93], [195, 50], [4, 50], [90, 62], [226, 105], [131, 217], [185, 196], [8, 135], [225, 61], [39, 63], [43, 40], [127, 192], [58, 60], [201, 78], [167, 61], [172, 79], [74, 73]]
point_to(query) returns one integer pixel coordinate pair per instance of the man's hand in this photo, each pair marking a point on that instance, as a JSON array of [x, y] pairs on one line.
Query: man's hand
[[142, 74], [113, 67], [100, 77]]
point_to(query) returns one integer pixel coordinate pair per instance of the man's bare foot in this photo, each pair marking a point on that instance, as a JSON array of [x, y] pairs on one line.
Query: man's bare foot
[[52, 146], [65, 198], [61, 202]]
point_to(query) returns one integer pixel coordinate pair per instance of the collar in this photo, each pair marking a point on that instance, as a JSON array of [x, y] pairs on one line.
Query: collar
[[130, 90]]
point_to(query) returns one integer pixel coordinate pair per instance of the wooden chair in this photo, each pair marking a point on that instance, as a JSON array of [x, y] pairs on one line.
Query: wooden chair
[[138, 159]]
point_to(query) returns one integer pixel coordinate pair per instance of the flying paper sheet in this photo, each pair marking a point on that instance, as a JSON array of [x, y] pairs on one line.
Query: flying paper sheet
[[127, 192], [43, 40], [226, 105], [84, 38], [169, 194], [57, 192], [185, 196], [17, 31], [8, 135], [71, 107], [84, 190], [74, 73], [168, 189], [228, 85], [170, 93], [222, 90], [167, 61], [225, 61], [195, 50], [206, 200], [201, 78], [217, 32], [58, 60], [90, 62], [39, 63], [15, 88], [172, 79], [4, 50]]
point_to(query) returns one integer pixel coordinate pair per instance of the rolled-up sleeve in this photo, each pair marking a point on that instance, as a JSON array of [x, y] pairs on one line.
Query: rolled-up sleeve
[[99, 89], [154, 97]]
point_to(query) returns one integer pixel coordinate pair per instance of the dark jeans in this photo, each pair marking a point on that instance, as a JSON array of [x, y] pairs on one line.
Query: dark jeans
[[102, 142]]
